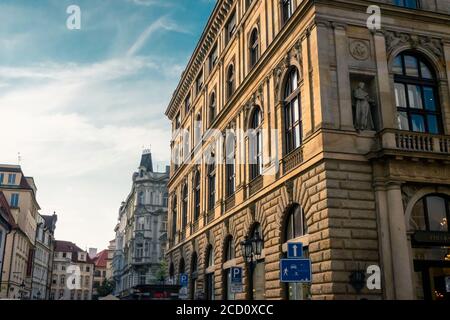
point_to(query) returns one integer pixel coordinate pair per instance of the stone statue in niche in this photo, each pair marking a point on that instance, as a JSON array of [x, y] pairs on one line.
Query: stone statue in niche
[[363, 105]]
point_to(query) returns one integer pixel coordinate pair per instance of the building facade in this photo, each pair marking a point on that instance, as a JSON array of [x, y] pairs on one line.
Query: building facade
[[100, 265], [20, 191], [43, 257], [6, 225], [141, 233], [342, 142], [73, 273]]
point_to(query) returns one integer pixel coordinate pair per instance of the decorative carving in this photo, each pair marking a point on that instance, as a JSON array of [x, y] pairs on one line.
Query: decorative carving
[[396, 39], [359, 50], [294, 53], [363, 104]]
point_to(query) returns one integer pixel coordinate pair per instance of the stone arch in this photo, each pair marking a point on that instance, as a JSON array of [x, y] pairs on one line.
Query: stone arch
[[419, 195], [435, 61], [251, 110]]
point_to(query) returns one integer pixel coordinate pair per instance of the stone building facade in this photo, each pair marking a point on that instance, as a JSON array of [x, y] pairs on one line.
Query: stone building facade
[[73, 273], [353, 159], [141, 233]]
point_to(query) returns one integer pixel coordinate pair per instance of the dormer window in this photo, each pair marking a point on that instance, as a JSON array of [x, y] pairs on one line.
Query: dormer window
[[12, 179]]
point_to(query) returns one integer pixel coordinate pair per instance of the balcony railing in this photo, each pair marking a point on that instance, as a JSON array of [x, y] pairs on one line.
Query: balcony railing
[[210, 217], [230, 202], [292, 160], [415, 142], [256, 185]]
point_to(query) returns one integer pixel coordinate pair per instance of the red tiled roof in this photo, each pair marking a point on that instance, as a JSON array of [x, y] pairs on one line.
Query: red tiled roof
[[100, 259], [67, 246]]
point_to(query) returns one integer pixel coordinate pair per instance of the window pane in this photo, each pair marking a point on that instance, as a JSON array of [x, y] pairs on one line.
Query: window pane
[[411, 65], [397, 67], [414, 95], [418, 123], [402, 119], [296, 110], [433, 126], [400, 96], [426, 73], [297, 136], [437, 216], [430, 102], [418, 217]]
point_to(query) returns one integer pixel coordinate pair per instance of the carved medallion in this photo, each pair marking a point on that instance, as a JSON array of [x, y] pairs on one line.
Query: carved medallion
[[359, 50]]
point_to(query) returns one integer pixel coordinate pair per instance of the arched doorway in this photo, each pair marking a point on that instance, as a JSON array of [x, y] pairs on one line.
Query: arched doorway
[[194, 276], [430, 245], [209, 274]]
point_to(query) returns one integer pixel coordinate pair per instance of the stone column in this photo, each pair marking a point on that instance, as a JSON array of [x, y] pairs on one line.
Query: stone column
[[384, 242], [344, 87], [402, 267], [388, 111]]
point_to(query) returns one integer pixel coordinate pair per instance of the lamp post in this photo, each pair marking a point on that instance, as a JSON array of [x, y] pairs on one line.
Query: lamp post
[[251, 251]]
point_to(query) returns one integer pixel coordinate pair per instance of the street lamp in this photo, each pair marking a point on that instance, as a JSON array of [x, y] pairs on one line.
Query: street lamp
[[251, 251]]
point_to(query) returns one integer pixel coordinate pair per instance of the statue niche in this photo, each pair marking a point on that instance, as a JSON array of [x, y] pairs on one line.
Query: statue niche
[[362, 108]]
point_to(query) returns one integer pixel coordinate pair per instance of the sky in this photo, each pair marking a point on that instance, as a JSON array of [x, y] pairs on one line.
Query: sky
[[81, 105]]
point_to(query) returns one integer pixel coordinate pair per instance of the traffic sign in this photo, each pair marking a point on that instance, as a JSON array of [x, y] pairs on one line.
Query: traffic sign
[[237, 288], [236, 275], [295, 250], [296, 270], [184, 279]]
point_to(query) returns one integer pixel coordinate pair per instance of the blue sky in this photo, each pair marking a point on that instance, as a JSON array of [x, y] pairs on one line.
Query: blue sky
[[80, 105]]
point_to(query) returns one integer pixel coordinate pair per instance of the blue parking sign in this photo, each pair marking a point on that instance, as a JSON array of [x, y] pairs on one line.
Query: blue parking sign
[[295, 250], [184, 279], [295, 270], [236, 275]]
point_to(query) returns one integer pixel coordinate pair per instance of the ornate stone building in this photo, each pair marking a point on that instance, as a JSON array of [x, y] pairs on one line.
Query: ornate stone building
[[141, 233], [358, 165]]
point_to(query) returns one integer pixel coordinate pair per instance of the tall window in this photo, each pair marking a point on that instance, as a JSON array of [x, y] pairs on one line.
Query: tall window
[[212, 108], [187, 104], [295, 224], [292, 112], [231, 27], [209, 277], [2, 176], [141, 198], [416, 95], [287, 9], [194, 275], [185, 207], [229, 254], [230, 81], [197, 196], [413, 4], [431, 213], [230, 164], [211, 186], [256, 144], [254, 47], [174, 217], [199, 83], [213, 57], [12, 179], [14, 200]]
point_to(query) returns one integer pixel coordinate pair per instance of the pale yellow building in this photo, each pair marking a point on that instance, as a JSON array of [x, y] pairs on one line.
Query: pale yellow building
[[20, 191], [350, 156]]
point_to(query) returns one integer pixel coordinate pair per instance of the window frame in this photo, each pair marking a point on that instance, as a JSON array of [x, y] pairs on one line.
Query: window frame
[[290, 126], [254, 47], [256, 169]]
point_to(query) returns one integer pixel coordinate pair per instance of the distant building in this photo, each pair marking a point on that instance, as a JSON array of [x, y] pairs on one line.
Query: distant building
[[141, 233], [100, 264], [6, 225], [43, 257], [109, 260], [20, 192], [67, 283]]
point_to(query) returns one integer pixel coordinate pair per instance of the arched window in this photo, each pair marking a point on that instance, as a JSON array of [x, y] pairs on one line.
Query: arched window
[[292, 112], [174, 217], [287, 9], [211, 186], [197, 196], [416, 94], [229, 254], [256, 144], [194, 275], [295, 224], [197, 130], [230, 81], [209, 276], [254, 47], [295, 227], [431, 213], [212, 108], [230, 150], [185, 207]]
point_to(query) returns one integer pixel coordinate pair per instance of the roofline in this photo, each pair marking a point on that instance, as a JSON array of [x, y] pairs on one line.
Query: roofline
[[194, 54]]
